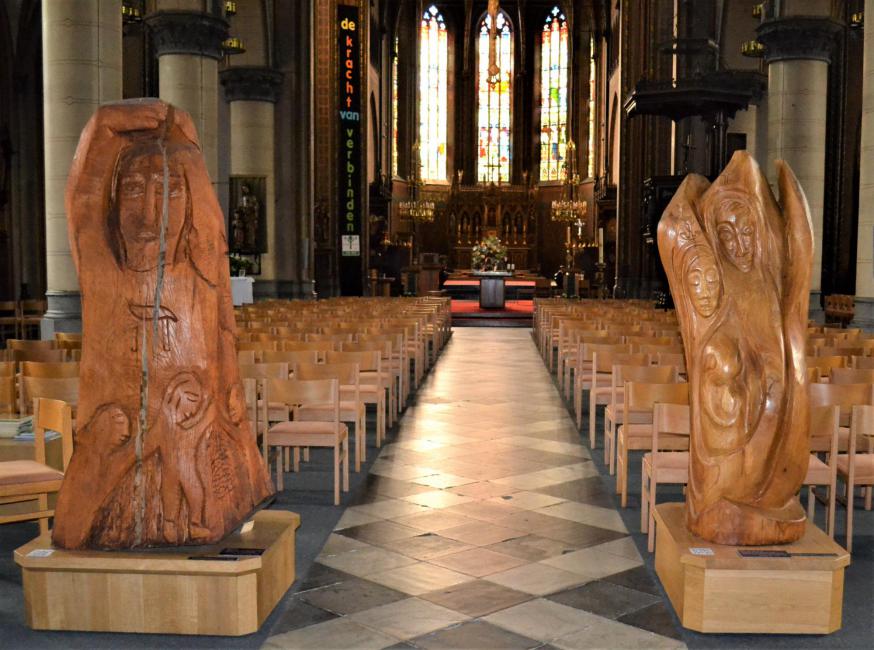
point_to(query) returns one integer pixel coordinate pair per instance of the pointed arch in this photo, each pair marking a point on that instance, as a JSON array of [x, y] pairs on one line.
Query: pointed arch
[[554, 38], [433, 94]]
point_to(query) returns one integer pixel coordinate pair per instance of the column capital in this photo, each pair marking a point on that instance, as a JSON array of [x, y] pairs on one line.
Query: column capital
[[251, 83], [809, 38], [188, 32]]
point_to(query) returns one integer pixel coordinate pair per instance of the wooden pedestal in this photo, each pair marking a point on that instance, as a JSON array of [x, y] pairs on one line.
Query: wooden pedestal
[[725, 592], [162, 592]]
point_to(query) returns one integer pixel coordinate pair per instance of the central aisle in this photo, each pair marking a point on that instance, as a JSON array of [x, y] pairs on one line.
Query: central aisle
[[484, 525]]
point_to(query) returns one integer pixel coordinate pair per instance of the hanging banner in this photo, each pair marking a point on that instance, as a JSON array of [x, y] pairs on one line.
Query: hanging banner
[[350, 198]]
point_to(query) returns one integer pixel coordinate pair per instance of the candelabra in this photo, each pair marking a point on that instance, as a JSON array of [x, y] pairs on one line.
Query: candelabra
[[416, 207]]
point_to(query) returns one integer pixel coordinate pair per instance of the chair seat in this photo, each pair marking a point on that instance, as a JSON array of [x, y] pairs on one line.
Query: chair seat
[[818, 472], [298, 427], [669, 460], [348, 411], [864, 467], [16, 472]]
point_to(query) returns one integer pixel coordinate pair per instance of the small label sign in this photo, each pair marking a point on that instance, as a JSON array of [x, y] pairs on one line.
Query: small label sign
[[700, 550], [41, 552]]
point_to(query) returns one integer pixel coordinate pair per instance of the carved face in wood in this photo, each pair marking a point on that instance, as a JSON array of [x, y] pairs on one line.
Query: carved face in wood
[[703, 281], [736, 231], [138, 199]]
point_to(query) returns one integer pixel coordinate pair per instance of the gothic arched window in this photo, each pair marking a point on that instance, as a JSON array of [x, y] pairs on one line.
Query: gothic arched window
[[495, 102], [394, 110], [433, 79], [553, 95]]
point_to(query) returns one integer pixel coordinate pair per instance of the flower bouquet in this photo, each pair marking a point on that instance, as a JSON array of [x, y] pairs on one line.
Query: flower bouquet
[[489, 254]]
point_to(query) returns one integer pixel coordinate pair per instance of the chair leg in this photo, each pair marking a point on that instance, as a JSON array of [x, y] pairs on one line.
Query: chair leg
[[336, 473], [306, 454], [850, 495], [346, 464], [286, 453], [644, 500], [832, 499], [811, 497], [869, 497], [43, 506], [593, 411], [279, 485], [296, 459]]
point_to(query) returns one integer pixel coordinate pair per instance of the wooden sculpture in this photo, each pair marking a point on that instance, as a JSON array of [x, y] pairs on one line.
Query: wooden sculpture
[[738, 265], [164, 453]]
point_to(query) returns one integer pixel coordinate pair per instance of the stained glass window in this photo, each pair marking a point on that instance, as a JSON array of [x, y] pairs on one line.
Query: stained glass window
[[394, 110], [433, 76], [553, 95], [495, 102]]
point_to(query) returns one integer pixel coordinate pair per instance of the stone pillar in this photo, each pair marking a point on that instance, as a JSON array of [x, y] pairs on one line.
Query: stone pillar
[[865, 242], [798, 52], [252, 93], [81, 63], [189, 47]]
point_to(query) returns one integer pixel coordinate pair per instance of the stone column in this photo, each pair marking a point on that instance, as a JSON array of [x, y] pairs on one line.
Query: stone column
[[81, 63], [189, 47], [865, 242], [252, 93], [798, 52]]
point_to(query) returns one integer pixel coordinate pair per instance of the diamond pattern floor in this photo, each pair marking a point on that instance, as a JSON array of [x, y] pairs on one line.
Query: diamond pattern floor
[[484, 525]]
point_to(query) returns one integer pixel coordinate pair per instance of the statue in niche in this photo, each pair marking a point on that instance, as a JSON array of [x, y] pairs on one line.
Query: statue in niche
[[250, 211], [738, 264], [164, 454], [238, 231]]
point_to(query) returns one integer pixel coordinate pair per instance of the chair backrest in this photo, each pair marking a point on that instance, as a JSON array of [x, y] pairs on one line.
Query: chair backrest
[[297, 392], [368, 360], [381, 346], [320, 347], [8, 401], [861, 425], [603, 361], [861, 362], [39, 355], [640, 397], [264, 371], [623, 373], [674, 348], [33, 307], [257, 346], [7, 368], [52, 415], [250, 393], [846, 396], [673, 420], [651, 340], [676, 359], [814, 375], [824, 426], [333, 338], [290, 357], [68, 336], [49, 369], [345, 373], [28, 344], [851, 376], [825, 364], [246, 356], [65, 389]]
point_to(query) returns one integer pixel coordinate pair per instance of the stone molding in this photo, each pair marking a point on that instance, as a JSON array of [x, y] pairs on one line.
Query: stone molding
[[251, 83], [188, 32], [809, 38]]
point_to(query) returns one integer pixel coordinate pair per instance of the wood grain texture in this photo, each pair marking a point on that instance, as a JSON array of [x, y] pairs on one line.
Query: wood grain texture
[[728, 593], [162, 592], [739, 265], [164, 454]]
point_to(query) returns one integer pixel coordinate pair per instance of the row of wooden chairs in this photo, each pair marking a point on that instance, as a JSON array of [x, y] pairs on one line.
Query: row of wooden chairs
[[22, 382], [18, 318]]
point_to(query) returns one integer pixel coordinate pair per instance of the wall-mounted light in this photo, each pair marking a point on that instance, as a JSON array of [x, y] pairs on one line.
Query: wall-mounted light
[[230, 8], [752, 49], [757, 10], [233, 45], [857, 20]]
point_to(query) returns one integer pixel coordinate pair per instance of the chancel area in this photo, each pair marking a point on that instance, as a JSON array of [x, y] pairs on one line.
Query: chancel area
[[460, 324]]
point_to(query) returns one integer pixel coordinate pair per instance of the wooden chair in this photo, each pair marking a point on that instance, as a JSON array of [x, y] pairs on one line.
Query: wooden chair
[[653, 350], [319, 347], [856, 467], [30, 314], [675, 359], [861, 362], [386, 375], [50, 369], [371, 386], [26, 480], [246, 357], [64, 389], [300, 396], [825, 364], [664, 463], [351, 409], [601, 380], [397, 362], [613, 414], [257, 346], [290, 357], [635, 433], [824, 428], [845, 396], [851, 376]]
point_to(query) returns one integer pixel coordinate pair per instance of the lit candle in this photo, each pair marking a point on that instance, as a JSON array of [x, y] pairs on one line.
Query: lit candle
[[600, 245]]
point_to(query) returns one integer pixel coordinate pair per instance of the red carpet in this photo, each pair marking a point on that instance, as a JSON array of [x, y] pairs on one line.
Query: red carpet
[[512, 308], [475, 283]]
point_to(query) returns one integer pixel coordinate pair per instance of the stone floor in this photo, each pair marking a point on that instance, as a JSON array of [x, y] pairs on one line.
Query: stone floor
[[484, 525]]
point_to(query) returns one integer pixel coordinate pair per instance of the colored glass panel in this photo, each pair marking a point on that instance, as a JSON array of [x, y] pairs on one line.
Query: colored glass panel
[[553, 95], [394, 110], [495, 103], [433, 76]]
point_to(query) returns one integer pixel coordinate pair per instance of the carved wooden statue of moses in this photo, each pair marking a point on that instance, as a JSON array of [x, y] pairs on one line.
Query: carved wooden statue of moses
[[739, 265], [164, 452]]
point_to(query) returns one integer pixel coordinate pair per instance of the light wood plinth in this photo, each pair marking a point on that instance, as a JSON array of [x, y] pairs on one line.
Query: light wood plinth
[[725, 592], [162, 592]]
